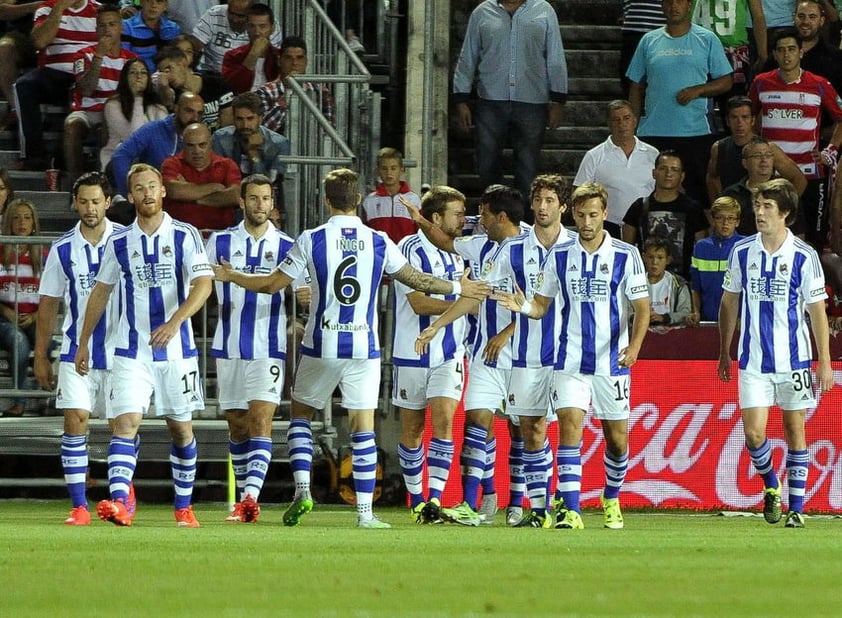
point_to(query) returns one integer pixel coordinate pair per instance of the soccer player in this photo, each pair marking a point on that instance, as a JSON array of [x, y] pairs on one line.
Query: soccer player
[[593, 279], [772, 279], [345, 261], [436, 377], [250, 342], [70, 273], [501, 210], [164, 278]]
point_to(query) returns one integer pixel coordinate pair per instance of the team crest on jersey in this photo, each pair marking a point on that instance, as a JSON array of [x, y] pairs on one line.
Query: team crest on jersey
[[487, 267], [511, 399], [289, 261], [167, 251], [603, 268], [726, 281], [79, 66], [269, 255], [784, 269], [539, 280]]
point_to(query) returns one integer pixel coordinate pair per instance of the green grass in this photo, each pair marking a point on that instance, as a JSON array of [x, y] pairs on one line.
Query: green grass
[[660, 565]]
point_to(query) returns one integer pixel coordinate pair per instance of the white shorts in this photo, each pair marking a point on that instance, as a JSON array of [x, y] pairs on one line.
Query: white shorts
[[91, 119], [530, 391], [487, 387], [609, 394], [413, 387], [91, 392], [791, 390], [240, 381], [358, 379], [176, 384]]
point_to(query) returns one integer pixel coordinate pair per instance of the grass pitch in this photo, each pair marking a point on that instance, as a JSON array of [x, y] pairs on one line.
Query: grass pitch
[[660, 565]]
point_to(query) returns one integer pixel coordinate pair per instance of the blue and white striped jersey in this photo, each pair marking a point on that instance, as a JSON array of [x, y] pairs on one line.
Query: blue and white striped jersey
[[521, 258], [346, 261], [154, 273], [448, 344], [593, 291], [774, 289], [70, 273], [251, 325]]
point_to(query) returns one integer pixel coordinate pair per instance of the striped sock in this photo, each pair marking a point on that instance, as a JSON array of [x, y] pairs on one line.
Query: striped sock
[[761, 457], [615, 473], [535, 475], [412, 467], [259, 458], [183, 464], [473, 460], [797, 469], [364, 454], [488, 467], [439, 459], [548, 460], [569, 461], [300, 442], [74, 462], [121, 465], [517, 482], [239, 459]]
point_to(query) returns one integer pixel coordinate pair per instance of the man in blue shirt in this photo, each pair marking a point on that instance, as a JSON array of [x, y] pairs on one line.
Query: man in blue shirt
[[148, 30], [514, 49]]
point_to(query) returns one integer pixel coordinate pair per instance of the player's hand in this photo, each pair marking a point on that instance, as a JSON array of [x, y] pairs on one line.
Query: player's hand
[[303, 295], [693, 318], [724, 368], [511, 301], [27, 319], [463, 111], [628, 357], [423, 340], [81, 359], [223, 271], [411, 208], [43, 370], [494, 346], [555, 115], [655, 318], [474, 288], [161, 336], [824, 377]]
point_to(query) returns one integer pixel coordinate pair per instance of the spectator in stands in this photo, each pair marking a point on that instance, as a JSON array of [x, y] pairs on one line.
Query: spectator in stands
[[223, 28], [292, 61], [155, 141], [382, 209], [679, 68], [256, 149], [62, 28], [182, 41], [175, 77], [7, 192], [97, 72], [757, 162], [20, 272], [203, 188], [622, 164], [250, 66], [639, 17], [514, 49], [789, 102], [17, 53], [669, 296], [188, 12], [149, 30], [710, 261], [725, 166], [667, 212], [132, 106]]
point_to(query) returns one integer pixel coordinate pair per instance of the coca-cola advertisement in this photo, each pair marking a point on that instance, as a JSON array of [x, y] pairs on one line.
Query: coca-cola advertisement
[[687, 448]]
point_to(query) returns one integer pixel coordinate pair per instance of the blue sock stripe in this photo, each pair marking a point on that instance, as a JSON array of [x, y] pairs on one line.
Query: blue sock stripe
[[183, 466], [121, 466], [439, 459], [74, 463], [411, 461], [300, 443], [364, 462], [535, 475], [761, 457], [797, 472], [569, 460]]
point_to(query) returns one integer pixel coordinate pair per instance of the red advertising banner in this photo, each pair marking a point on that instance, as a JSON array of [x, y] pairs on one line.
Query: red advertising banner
[[687, 445]]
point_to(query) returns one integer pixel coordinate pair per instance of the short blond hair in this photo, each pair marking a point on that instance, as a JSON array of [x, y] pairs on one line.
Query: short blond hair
[[139, 168], [727, 205], [589, 191]]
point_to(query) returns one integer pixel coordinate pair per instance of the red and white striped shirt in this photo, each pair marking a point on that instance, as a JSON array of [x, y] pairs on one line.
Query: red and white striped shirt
[[790, 114], [19, 285], [77, 30], [109, 76]]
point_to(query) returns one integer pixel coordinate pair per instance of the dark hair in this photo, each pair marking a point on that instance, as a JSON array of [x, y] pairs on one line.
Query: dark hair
[[342, 189], [92, 179], [260, 9], [109, 8], [754, 141], [170, 52], [249, 100], [554, 182], [124, 92], [658, 242], [435, 200], [669, 153], [787, 33], [293, 41], [500, 198], [253, 179], [738, 101], [784, 195]]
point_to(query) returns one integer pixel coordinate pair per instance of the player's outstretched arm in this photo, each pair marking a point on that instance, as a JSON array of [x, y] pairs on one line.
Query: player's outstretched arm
[[45, 322], [535, 308], [436, 236], [821, 334], [728, 311], [97, 302], [425, 282], [270, 283], [456, 310]]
